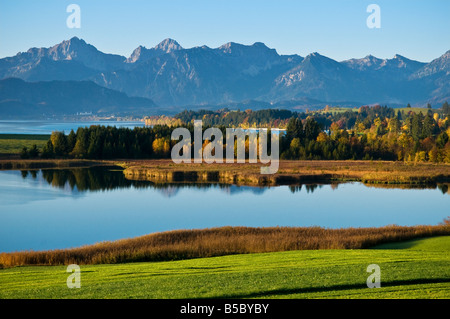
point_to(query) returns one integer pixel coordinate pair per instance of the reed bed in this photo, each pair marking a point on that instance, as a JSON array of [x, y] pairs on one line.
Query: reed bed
[[294, 172], [187, 244]]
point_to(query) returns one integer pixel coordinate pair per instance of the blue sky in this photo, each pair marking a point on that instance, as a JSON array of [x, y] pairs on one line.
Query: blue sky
[[417, 29]]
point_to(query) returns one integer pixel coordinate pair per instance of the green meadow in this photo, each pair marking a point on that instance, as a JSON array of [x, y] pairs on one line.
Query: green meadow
[[14, 143], [414, 269]]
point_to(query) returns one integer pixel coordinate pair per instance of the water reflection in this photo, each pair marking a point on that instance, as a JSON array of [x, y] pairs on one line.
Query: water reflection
[[310, 188], [60, 208], [444, 188], [106, 178]]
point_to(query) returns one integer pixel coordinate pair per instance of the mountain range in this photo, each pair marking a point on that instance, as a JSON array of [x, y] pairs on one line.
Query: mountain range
[[20, 99], [169, 75]]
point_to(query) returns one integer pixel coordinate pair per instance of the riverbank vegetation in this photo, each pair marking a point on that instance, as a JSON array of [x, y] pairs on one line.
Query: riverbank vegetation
[[292, 172], [34, 164], [298, 172], [188, 244]]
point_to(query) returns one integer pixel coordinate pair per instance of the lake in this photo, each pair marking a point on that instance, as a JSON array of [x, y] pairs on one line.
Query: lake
[[49, 209], [46, 127]]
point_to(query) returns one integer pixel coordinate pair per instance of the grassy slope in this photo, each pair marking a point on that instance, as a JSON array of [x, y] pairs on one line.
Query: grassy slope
[[431, 244], [13, 143], [418, 270]]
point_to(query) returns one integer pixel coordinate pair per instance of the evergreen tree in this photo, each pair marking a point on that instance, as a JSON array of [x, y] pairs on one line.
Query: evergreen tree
[[312, 129], [416, 126], [428, 126], [294, 129], [47, 151], [24, 152], [71, 140], [33, 152], [445, 108]]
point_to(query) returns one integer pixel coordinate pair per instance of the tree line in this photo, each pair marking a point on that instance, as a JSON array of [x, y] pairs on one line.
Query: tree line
[[370, 133]]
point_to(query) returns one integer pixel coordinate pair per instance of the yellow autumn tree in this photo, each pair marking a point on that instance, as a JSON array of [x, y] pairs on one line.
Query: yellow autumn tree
[[420, 156], [322, 137], [161, 147]]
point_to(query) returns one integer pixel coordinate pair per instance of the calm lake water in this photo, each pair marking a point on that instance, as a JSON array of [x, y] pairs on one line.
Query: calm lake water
[[52, 209], [46, 127]]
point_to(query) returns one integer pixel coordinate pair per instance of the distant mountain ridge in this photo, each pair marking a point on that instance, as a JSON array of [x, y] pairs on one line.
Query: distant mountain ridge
[[171, 75], [20, 99], [142, 54]]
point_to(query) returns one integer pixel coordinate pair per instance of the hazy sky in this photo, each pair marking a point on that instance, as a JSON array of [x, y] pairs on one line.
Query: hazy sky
[[417, 29]]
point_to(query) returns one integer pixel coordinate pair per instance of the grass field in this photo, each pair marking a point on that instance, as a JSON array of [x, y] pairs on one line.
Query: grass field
[[14, 143], [338, 109], [424, 110], [417, 269]]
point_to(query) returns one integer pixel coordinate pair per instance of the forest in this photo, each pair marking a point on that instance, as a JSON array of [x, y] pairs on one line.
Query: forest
[[367, 133]]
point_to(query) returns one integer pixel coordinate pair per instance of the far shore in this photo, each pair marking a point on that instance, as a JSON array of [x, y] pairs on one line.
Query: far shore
[[289, 173]]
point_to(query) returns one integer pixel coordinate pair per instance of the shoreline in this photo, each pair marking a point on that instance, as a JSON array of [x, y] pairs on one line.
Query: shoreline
[[289, 173], [222, 241], [30, 164]]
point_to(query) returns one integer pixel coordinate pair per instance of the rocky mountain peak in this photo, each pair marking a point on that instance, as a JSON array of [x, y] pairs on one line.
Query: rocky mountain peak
[[168, 45]]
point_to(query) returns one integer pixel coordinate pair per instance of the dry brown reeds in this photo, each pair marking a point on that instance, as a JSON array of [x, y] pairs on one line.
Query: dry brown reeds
[[291, 172], [185, 244]]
